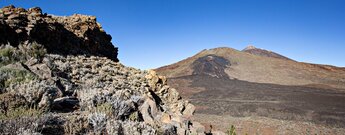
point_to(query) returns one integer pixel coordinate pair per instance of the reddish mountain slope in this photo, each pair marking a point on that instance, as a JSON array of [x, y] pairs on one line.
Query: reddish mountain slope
[[261, 92], [263, 69]]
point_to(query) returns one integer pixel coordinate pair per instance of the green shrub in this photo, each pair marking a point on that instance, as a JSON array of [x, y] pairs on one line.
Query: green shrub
[[14, 76], [7, 52], [37, 51], [6, 55], [105, 108], [20, 112], [24, 52], [232, 130]]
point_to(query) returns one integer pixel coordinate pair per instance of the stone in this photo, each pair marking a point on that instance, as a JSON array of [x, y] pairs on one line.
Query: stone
[[197, 128], [35, 11], [46, 101], [13, 16], [189, 110], [65, 103], [155, 81], [148, 110], [42, 70], [165, 118]]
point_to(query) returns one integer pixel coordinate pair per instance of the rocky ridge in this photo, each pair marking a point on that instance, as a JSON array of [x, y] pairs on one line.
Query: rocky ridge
[[45, 89]]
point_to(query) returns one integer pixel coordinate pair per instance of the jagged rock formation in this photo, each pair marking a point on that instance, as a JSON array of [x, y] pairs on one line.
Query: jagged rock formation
[[262, 52], [76, 34], [52, 83]]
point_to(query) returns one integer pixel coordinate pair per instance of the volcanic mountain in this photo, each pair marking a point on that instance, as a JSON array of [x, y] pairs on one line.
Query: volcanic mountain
[[260, 90], [258, 65]]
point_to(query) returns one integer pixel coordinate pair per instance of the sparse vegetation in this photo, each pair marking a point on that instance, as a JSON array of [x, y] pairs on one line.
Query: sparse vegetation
[[6, 55], [98, 122], [76, 126], [20, 112], [33, 125], [105, 108], [12, 76], [24, 52], [32, 50], [7, 51], [231, 130]]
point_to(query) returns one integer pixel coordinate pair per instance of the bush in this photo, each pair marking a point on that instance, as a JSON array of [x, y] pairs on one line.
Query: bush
[[24, 52], [13, 76], [7, 51], [105, 108], [37, 51], [77, 125], [232, 130], [98, 122], [6, 55]]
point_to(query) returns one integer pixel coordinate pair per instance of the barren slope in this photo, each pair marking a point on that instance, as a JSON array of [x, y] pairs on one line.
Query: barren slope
[[261, 94], [253, 68]]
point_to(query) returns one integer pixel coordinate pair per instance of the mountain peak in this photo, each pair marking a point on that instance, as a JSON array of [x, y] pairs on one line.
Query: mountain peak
[[262, 52], [250, 47]]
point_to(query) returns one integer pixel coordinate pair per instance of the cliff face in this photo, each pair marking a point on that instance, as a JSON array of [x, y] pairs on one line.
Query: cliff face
[[72, 35]]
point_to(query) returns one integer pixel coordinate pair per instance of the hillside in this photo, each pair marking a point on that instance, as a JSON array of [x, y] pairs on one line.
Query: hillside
[[61, 75], [259, 93], [267, 69]]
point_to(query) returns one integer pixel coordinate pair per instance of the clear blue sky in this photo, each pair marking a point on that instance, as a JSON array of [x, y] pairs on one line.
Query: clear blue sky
[[153, 33]]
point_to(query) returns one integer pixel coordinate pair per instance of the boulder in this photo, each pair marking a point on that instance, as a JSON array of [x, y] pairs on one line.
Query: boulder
[[66, 104]]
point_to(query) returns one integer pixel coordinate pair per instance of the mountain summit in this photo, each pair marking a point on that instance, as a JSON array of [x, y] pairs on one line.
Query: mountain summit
[[249, 47], [262, 52]]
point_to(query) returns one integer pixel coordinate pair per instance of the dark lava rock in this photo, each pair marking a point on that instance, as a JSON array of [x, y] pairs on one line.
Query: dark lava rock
[[211, 65]]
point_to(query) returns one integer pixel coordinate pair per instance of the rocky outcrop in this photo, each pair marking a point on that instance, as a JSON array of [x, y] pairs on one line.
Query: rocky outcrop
[[72, 35], [61, 75], [82, 84]]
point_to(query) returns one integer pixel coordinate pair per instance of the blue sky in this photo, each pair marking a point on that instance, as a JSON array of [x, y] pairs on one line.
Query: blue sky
[[153, 33]]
